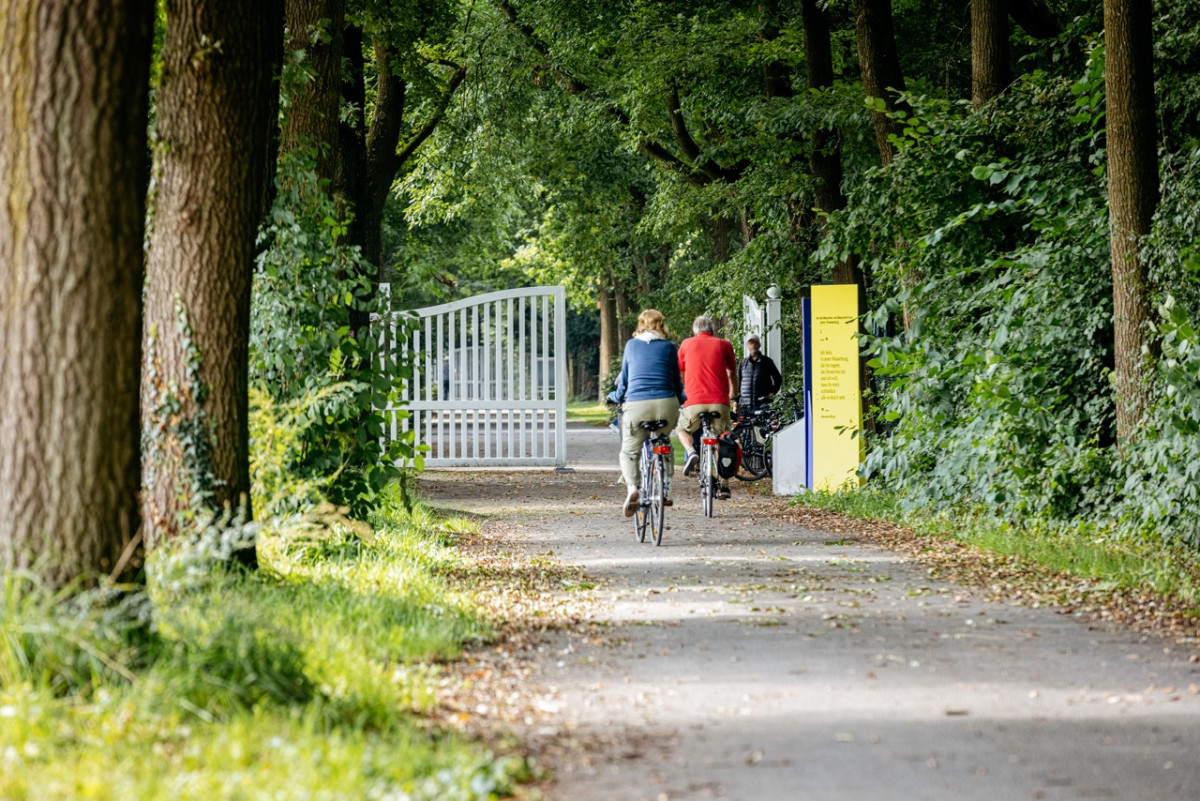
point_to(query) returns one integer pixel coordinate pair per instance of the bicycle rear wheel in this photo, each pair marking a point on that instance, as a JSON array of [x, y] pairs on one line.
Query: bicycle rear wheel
[[708, 479], [655, 489]]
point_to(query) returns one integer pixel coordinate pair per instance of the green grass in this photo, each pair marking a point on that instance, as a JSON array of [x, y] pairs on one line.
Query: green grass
[[587, 412], [309, 679], [1079, 549]]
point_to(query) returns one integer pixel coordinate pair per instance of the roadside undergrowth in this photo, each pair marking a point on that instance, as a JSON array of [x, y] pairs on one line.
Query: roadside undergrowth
[[317, 677], [1150, 587]]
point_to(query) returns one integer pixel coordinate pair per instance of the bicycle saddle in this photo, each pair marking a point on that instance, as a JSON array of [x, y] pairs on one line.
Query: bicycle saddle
[[708, 417], [652, 425]]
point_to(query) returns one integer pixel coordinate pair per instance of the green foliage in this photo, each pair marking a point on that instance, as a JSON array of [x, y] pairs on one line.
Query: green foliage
[[333, 381], [305, 679], [72, 641], [1160, 494], [988, 232]]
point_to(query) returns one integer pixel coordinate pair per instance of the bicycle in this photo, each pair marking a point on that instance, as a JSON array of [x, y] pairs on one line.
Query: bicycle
[[708, 476], [652, 500], [754, 431]]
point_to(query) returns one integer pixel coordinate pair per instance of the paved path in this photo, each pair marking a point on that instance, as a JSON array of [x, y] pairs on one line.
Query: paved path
[[746, 659]]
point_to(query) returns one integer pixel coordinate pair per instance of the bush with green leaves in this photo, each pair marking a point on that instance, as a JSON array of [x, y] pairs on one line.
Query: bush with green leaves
[[1161, 494], [334, 381], [986, 235]]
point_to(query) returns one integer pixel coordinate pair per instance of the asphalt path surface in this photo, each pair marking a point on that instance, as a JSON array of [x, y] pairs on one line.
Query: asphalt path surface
[[746, 658]]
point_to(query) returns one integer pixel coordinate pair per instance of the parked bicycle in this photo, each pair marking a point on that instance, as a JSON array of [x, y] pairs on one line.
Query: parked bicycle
[[650, 513], [754, 431]]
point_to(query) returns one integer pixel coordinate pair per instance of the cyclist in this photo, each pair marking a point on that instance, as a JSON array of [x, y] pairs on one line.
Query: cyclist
[[758, 377], [650, 387], [708, 367]]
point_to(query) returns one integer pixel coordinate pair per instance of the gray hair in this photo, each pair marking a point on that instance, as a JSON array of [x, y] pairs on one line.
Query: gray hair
[[704, 325]]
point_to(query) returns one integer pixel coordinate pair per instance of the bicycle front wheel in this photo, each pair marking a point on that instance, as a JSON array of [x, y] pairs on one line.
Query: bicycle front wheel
[[656, 494]]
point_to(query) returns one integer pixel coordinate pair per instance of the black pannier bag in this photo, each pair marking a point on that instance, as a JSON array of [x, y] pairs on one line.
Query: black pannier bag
[[729, 456]]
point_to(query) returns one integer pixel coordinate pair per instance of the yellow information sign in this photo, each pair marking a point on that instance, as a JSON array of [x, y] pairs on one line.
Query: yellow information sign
[[836, 394]]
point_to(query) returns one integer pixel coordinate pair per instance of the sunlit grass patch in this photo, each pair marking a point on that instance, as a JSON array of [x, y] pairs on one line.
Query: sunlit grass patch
[[864, 503], [312, 678], [592, 413]]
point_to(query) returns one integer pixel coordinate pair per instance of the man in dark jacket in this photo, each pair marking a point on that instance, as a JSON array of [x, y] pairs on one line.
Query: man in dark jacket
[[758, 377]]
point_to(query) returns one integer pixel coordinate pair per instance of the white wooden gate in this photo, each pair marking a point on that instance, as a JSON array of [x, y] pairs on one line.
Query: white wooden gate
[[489, 382]]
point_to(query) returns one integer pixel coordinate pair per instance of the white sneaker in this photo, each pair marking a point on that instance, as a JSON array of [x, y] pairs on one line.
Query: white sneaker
[[631, 502]]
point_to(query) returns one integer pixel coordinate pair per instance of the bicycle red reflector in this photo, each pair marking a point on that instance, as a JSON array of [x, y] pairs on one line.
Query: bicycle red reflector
[[662, 448], [709, 441]]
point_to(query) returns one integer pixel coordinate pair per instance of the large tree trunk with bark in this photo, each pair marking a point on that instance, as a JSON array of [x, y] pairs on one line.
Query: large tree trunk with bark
[[1132, 198], [879, 63], [216, 128], [623, 312], [608, 330], [311, 120], [990, 69], [73, 166]]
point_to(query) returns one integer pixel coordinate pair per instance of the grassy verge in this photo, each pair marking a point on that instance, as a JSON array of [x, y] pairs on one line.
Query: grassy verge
[[1152, 585], [313, 678], [590, 413]]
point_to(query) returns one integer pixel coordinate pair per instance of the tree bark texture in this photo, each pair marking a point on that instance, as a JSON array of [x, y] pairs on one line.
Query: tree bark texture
[[990, 69], [73, 166], [826, 159], [608, 331], [879, 63], [311, 120], [623, 314], [214, 162], [1132, 198]]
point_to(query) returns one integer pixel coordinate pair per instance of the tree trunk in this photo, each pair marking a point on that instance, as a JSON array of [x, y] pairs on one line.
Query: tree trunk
[[879, 64], [216, 117], [1132, 197], [73, 166], [990, 70], [608, 331], [621, 304], [315, 27], [720, 234], [826, 160]]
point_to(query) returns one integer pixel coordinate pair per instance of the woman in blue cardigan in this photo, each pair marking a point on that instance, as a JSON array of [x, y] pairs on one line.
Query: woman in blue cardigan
[[650, 388]]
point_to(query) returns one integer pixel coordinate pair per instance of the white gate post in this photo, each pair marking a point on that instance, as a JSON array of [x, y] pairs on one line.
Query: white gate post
[[774, 343], [560, 376]]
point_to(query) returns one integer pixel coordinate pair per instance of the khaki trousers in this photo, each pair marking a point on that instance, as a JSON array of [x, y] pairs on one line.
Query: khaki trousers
[[632, 435], [689, 421]]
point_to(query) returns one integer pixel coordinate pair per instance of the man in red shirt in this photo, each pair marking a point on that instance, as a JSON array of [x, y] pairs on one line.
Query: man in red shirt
[[709, 369]]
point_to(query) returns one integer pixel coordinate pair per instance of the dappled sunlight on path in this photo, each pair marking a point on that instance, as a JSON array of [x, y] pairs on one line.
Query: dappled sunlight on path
[[747, 658]]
